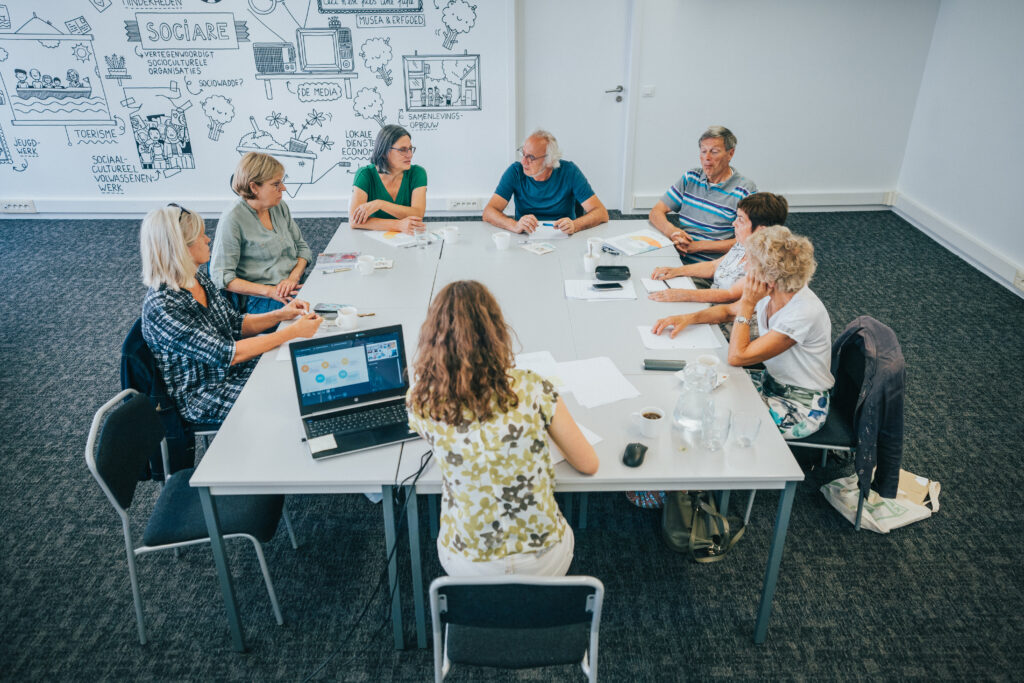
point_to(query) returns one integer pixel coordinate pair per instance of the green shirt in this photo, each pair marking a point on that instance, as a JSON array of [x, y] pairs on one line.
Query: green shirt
[[243, 248], [368, 180]]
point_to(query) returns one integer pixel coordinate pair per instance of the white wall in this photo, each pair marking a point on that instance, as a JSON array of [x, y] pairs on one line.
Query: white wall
[[961, 177], [820, 93]]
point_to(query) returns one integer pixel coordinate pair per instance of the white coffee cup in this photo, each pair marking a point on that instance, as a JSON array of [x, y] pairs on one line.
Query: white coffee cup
[[502, 240], [650, 421], [451, 233], [364, 264], [709, 360], [594, 246], [348, 318], [590, 262]]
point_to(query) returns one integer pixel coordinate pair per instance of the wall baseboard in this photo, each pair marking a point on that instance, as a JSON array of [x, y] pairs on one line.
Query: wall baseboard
[[958, 241]]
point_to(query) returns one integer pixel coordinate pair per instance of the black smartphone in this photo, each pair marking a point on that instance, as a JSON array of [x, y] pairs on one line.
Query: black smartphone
[[328, 311], [663, 364], [607, 285]]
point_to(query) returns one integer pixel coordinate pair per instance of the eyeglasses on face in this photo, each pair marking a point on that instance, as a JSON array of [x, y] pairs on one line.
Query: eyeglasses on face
[[405, 150], [529, 158]]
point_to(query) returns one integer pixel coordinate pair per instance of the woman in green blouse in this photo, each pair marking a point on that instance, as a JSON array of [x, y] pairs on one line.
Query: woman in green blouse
[[391, 192]]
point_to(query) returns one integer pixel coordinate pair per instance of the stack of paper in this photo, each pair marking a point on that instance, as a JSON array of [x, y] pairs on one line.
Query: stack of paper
[[693, 337], [398, 239], [671, 283], [596, 381], [584, 289], [639, 241], [333, 262], [544, 233]]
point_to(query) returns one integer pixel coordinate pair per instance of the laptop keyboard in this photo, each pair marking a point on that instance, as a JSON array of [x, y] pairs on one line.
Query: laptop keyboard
[[394, 414]]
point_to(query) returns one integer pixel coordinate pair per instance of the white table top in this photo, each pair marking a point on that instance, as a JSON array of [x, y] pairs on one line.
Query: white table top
[[258, 450]]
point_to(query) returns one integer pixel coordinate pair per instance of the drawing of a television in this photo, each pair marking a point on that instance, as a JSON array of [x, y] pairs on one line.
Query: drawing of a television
[[324, 50]]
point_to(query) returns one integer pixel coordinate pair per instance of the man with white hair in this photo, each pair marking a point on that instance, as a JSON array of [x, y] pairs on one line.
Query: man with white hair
[[547, 191], [705, 200]]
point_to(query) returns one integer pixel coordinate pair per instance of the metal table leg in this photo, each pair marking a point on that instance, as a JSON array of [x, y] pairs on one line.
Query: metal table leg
[[220, 560], [391, 541], [771, 574], [413, 520]]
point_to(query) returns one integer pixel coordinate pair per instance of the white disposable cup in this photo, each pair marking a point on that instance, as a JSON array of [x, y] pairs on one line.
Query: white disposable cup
[[590, 263], [649, 426], [348, 318], [364, 264], [451, 233], [594, 246], [502, 240]]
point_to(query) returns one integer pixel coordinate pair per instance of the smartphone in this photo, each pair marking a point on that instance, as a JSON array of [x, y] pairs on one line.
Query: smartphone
[[663, 364], [607, 285], [328, 311]]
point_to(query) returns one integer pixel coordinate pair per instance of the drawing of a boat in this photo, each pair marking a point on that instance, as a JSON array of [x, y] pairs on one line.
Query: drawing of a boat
[[59, 93]]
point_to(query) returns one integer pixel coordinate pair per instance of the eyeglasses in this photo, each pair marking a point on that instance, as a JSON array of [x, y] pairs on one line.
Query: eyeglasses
[[529, 158], [405, 150], [184, 211]]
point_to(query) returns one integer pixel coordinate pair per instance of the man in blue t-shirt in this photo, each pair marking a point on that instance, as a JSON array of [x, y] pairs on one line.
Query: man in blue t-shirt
[[546, 190]]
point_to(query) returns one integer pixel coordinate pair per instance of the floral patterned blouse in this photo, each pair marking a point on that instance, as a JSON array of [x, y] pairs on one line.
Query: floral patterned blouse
[[499, 482]]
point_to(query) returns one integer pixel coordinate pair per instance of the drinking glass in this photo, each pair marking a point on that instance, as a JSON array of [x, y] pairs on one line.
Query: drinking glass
[[422, 239], [745, 427], [715, 427]]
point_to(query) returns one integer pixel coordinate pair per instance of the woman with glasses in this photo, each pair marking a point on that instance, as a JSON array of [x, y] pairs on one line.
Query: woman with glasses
[[204, 348], [259, 255], [391, 192], [488, 424]]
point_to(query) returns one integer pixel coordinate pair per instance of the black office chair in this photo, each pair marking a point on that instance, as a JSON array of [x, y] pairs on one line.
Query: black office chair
[[515, 622], [124, 431], [837, 434], [139, 371]]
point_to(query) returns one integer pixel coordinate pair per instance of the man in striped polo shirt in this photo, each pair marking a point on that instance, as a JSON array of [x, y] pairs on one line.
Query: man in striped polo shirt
[[705, 200]]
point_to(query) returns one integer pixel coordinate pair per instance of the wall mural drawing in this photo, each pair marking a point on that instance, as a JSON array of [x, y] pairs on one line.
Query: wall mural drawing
[[370, 105], [459, 17], [220, 111], [441, 82], [47, 79], [160, 129], [376, 54], [317, 53], [377, 14], [294, 153]]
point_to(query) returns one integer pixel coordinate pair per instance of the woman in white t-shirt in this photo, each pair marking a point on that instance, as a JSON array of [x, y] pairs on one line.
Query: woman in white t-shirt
[[796, 339]]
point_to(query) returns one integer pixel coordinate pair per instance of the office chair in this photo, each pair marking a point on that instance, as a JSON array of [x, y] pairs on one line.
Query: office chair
[[515, 622], [837, 434], [124, 431]]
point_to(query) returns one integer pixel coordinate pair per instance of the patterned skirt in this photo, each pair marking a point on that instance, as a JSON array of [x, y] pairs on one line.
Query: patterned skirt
[[796, 411]]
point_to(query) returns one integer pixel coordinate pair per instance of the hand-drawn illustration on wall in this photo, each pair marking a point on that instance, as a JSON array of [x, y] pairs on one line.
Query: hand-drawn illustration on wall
[[459, 17], [46, 77], [370, 105], [5, 18], [78, 25], [376, 54], [294, 153], [441, 82], [115, 69], [220, 111], [378, 13], [161, 132], [317, 53], [5, 152]]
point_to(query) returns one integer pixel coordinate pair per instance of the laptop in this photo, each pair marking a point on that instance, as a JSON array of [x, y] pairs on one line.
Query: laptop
[[351, 390]]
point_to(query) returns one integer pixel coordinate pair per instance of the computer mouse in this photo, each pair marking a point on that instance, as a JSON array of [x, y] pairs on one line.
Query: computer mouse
[[634, 454]]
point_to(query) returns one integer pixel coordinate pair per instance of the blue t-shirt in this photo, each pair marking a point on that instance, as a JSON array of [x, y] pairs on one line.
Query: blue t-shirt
[[551, 199]]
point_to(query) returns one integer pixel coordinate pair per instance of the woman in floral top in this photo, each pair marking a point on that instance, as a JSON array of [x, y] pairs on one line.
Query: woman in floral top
[[488, 423]]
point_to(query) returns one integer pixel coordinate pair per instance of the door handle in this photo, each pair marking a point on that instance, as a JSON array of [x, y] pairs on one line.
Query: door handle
[[617, 89]]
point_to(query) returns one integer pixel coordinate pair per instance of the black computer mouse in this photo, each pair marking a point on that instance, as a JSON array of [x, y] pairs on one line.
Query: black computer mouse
[[634, 454]]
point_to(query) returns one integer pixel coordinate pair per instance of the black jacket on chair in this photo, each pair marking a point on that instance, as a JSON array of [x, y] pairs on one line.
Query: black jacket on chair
[[878, 418]]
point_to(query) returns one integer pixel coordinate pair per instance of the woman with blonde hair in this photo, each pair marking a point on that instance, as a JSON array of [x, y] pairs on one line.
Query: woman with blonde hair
[[205, 349], [488, 424], [259, 254], [796, 339]]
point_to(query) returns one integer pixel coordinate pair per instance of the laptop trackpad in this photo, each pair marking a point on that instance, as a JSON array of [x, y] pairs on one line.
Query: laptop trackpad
[[356, 441]]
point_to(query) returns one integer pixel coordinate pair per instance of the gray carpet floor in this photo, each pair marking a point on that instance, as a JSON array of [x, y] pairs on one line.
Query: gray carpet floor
[[943, 599]]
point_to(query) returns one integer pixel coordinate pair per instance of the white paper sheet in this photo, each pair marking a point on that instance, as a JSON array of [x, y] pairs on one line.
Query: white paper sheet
[[396, 239], [639, 241], [556, 454], [545, 233], [543, 363], [693, 337], [583, 289], [596, 381], [672, 283]]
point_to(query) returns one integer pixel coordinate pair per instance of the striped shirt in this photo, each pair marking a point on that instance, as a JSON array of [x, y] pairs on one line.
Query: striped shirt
[[193, 347], [706, 210]]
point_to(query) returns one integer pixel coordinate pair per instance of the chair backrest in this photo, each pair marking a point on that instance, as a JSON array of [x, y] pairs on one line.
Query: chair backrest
[[125, 430], [849, 377], [139, 371], [518, 621]]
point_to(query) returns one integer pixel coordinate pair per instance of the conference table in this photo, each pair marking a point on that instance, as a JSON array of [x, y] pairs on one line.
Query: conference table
[[258, 449]]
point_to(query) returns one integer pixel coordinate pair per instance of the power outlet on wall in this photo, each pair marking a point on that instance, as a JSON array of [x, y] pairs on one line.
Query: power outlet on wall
[[463, 205], [1018, 280], [17, 206]]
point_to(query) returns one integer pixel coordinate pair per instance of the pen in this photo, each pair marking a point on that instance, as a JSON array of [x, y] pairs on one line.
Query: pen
[[336, 270], [365, 315], [550, 225]]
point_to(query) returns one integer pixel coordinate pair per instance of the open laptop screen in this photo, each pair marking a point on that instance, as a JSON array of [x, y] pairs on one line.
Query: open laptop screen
[[348, 369]]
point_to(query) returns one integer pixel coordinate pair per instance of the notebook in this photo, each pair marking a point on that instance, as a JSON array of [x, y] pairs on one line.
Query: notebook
[[351, 390]]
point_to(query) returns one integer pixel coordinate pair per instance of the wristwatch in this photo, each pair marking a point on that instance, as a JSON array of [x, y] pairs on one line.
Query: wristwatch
[[741, 320]]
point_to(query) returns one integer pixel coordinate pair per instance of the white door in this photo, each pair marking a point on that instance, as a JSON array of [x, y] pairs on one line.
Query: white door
[[569, 52]]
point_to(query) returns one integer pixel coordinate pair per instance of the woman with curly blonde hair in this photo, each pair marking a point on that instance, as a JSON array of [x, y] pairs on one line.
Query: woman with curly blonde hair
[[796, 341], [488, 424]]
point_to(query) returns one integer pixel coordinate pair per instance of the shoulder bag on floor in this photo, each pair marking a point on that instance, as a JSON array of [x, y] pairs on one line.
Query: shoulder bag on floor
[[691, 523]]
